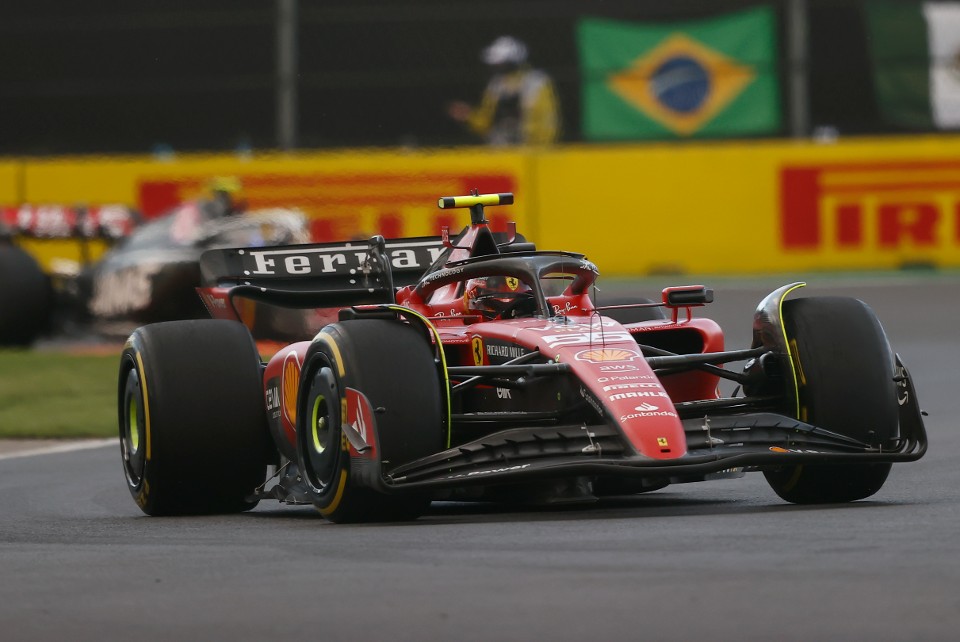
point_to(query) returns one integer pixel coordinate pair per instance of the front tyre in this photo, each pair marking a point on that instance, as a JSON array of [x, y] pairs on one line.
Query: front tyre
[[392, 365], [844, 368], [193, 430]]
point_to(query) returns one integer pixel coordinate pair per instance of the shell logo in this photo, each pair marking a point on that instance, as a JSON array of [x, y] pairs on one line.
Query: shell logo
[[289, 383], [604, 355]]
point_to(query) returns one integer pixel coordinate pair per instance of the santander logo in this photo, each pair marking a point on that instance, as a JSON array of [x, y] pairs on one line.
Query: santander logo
[[647, 410]]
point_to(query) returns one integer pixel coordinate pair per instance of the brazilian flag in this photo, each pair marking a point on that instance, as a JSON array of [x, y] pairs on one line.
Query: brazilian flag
[[713, 77]]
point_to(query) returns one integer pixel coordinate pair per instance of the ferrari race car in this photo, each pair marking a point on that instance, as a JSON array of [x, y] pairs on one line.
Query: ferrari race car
[[479, 369]]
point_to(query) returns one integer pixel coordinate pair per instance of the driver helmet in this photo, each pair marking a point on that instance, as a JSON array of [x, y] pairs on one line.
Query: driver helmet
[[226, 195], [495, 297], [505, 50]]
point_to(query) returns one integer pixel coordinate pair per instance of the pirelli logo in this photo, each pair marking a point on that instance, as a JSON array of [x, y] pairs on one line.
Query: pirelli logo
[[882, 205]]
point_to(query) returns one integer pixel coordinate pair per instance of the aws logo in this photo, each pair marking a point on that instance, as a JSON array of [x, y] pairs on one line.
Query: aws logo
[[681, 83]]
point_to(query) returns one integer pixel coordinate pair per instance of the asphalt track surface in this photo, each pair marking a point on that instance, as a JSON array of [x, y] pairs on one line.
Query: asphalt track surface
[[718, 560]]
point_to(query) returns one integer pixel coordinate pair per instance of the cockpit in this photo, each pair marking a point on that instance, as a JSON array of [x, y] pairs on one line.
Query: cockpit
[[507, 286]]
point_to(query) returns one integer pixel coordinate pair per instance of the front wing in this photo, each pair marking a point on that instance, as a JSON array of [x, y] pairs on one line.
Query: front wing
[[735, 442]]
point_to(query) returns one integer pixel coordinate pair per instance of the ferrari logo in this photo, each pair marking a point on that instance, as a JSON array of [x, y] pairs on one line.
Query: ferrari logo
[[513, 283], [476, 345], [662, 442]]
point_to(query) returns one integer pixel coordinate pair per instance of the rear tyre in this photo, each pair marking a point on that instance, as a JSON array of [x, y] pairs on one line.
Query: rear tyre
[[844, 368], [393, 366], [26, 297], [193, 428], [632, 315]]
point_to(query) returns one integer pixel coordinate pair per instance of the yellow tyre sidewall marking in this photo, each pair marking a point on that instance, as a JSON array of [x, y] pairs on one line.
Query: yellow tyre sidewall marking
[[443, 357], [337, 497], [332, 344], [796, 361], [786, 342], [794, 478], [334, 503]]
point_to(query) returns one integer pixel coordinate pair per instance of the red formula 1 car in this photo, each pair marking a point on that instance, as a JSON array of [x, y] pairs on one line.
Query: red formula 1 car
[[478, 368]]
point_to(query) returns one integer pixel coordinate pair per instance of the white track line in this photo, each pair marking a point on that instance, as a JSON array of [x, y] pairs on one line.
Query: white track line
[[61, 448]]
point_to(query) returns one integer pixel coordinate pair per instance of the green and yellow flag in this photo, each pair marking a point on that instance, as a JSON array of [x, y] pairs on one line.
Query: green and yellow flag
[[705, 78]]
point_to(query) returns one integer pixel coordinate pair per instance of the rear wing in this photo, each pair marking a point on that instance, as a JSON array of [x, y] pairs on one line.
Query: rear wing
[[321, 274], [328, 275]]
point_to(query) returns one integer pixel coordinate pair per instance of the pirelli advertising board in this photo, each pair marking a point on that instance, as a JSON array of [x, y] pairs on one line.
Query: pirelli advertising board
[[9, 181], [764, 207], [346, 195], [769, 206], [887, 206]]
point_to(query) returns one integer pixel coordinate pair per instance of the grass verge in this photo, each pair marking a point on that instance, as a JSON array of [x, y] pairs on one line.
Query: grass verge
[[56, 395]]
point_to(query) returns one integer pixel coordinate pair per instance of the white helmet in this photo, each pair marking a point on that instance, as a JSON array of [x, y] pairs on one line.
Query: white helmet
[[503, 50]]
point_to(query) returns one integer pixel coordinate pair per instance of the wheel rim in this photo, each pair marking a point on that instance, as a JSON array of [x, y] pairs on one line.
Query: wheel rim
[[134, 432], [320, 438], [132, 436], [320, 425]]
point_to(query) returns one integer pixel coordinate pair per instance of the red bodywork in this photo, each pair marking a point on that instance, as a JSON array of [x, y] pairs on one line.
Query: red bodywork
[[612, 373], [480, 368]]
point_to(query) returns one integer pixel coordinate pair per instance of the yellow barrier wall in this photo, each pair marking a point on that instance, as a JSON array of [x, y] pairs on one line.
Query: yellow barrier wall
[[10, 182], [718, 208], [758, 207], [347, 193]]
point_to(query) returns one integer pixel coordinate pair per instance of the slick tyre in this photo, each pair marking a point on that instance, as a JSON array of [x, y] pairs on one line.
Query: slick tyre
[[26, 297], [844, 370], [392, 365], [193, 429]]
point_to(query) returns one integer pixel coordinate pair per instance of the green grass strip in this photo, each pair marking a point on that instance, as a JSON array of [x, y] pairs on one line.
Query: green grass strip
[[56, 395]]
